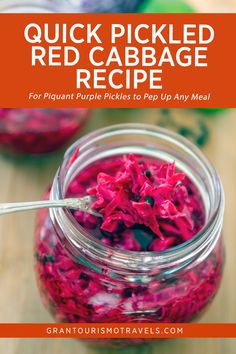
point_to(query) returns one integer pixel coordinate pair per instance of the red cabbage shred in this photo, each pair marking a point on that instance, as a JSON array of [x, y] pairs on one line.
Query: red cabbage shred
[[147, 205], [37, 131]]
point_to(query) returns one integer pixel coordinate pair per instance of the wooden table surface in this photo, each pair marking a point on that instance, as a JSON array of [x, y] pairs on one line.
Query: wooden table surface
[[19, 299]]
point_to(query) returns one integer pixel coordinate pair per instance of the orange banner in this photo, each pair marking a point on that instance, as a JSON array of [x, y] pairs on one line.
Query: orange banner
[[117, 60], [117, 330]]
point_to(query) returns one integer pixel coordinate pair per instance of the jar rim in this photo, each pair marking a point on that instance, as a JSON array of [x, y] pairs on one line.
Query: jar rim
[[185, 252]]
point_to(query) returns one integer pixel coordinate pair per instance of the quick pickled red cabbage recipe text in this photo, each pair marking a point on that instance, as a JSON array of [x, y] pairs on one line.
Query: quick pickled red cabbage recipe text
[[137, 53]]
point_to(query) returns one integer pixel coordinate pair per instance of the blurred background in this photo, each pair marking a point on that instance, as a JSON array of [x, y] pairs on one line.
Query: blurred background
[[32, 144]]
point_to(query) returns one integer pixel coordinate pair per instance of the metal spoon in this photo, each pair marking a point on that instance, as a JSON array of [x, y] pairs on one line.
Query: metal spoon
[[83, 204]]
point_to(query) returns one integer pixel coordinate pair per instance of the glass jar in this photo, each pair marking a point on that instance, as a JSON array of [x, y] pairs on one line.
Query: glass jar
[[36, 131], [83, 280]]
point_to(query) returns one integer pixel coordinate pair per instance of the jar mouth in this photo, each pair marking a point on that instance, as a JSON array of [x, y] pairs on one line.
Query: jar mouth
[[127, 259]]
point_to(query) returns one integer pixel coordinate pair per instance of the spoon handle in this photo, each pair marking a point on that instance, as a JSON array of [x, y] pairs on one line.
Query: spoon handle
[[83, 204]]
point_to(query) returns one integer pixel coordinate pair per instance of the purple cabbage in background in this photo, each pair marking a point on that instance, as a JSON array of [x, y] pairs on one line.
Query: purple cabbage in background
[[109, 6], [39, 130]]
